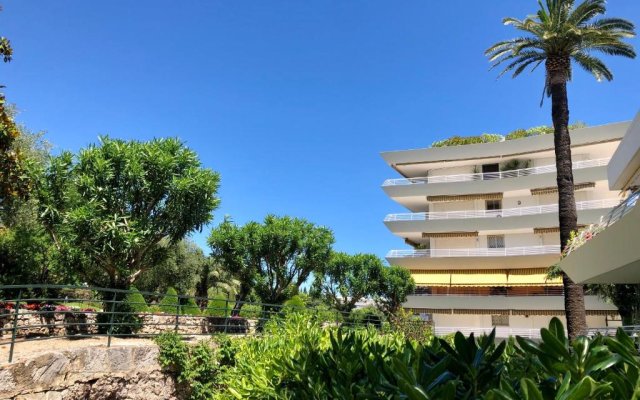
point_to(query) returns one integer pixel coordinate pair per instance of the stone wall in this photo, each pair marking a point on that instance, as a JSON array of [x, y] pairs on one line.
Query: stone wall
[[74, 323], [97, 373]]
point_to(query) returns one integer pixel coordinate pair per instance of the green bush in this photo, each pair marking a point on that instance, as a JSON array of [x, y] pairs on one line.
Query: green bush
[[295, 304], [365, 316], [251, 311], [123, 321], [137, 302], [464, 140], [219, 306], [169, 303], [190, 307], [296, 358]]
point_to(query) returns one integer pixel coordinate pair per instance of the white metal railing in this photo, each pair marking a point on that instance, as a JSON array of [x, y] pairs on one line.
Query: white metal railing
[[516, 173], [505, 212], [605, 221], [631, 330], [476, 252], [501, 331]]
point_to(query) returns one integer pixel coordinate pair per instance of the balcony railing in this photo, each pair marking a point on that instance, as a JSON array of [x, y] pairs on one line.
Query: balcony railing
[[476, 252], [501, 331], [488, 291], [505, 212], [605, 221], [516, 173]]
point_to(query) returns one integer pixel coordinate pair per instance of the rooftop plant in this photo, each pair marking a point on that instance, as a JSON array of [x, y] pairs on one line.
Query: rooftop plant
[[495, 137]]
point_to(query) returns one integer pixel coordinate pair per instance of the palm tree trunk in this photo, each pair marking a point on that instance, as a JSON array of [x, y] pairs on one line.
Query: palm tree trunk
[[573, 293]]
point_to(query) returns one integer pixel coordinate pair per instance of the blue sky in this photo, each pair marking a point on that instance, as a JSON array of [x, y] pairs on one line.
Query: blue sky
[[291, 101]]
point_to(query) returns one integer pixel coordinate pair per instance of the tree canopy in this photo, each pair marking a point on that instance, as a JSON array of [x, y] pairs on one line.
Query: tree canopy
[[347, 279], [395, 285], [114, 205], [274, 257]]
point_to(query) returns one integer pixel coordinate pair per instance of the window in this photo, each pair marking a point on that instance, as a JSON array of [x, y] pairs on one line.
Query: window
[[490, 171], [493, 205], [500, 320], [495, 241]]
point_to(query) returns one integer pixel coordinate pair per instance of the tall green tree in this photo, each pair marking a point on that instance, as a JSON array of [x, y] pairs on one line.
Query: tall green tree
[[558, 34], [346, 279], [274, 257], [115, 205], [625, 296], [396, 283]]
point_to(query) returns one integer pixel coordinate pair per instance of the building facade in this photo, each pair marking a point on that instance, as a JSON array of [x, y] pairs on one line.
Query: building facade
[[609, 251], [482, 228]]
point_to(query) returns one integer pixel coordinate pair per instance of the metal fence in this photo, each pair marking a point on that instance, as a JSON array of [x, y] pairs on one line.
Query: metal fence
[[42, 312]]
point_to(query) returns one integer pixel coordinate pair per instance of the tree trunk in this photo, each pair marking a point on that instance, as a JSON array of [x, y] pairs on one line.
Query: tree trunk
[[557, 74]]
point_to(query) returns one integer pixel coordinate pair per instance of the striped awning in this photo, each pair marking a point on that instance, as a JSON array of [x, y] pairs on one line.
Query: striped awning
[[485, 278], [554, 189], [551, 229], [449, 234], [465, 197]]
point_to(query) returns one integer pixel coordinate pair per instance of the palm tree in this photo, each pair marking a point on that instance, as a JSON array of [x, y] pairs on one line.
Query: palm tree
[[558, 34]]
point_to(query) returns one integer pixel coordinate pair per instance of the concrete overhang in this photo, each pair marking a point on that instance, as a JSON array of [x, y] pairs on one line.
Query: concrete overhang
[[612, 256]]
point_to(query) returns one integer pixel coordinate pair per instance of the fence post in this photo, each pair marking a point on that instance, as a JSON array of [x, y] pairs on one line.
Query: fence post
[[226, 315], [178, 309], [110, 330], [15, 325]]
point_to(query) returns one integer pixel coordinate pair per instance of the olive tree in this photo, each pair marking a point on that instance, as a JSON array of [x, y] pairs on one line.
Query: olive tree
[[346, 279], [113, 206], [396, 284], [273, 258]]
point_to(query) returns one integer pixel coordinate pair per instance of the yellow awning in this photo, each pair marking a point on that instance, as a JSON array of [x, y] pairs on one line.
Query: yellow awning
[[533, 277], [428, 278], [480, 278]]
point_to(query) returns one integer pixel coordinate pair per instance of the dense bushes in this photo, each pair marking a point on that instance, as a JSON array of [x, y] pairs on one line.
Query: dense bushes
[[297, 358]]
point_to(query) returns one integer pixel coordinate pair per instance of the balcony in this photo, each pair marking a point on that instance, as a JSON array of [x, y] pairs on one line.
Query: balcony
[[506, 212], [517, 173], [476, 258], [607, 252]]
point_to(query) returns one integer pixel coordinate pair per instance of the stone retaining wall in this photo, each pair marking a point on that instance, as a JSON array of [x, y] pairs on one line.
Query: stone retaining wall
[[97, 373], [74, 323]]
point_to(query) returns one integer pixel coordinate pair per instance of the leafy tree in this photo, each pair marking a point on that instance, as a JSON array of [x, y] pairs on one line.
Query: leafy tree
[[117, 203], [347, 279], [625, 296], [214, 280], [274, 258], [180, 269], [559, 33], [396, 284]]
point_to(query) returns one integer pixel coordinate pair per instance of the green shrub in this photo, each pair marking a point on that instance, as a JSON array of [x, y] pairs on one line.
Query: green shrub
[[295, 304], [137, 302], [251, 311], [464, 140], [190, 307], [365, 316], [123, 321], [219, 306], [169, 303]]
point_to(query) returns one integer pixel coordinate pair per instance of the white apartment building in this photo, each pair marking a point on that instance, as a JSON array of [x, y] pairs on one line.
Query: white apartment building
[[609, 251], [482, 228]]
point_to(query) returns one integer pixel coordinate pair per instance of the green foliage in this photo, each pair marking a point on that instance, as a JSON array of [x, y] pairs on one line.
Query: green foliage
[[169, 303], [190, 307], [180, 269], [124, 320], [347, 279], [295, 304], [119, 202], [251, 311], [365, 316], [136, 301], [412, 326], [196, 366], [625, 296], [297, 358], [395, 285], [464, 140], [219, 306], [273, 258], [561, 32], [539, 130]]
